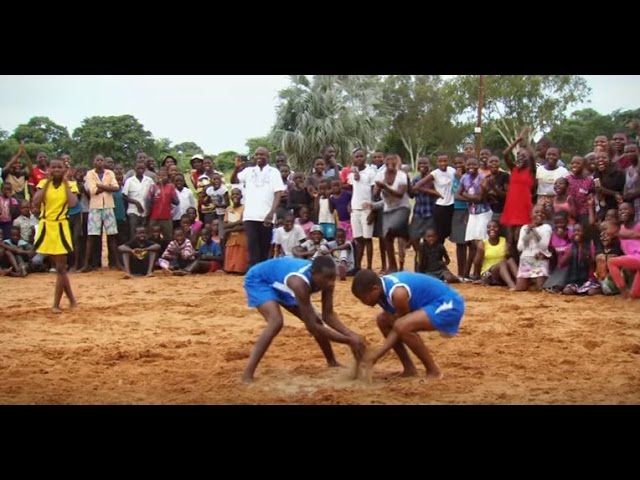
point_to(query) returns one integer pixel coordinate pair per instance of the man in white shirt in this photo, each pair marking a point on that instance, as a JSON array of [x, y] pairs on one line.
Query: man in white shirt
[[263, 188], [135, 193], [361, 180]]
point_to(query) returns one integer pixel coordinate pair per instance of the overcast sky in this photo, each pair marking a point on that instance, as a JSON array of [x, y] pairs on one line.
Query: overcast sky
[[218, 112]]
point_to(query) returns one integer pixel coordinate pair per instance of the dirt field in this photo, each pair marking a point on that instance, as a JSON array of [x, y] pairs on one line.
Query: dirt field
[[185, 340]]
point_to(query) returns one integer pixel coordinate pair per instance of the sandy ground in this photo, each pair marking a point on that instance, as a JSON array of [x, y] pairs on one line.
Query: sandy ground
[[185, 340]]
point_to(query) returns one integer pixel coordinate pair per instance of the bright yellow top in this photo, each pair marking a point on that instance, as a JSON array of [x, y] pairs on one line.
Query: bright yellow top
[[54, 203], [493, 254]]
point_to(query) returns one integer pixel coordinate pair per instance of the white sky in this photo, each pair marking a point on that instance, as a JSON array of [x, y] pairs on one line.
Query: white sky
[[218, 112]]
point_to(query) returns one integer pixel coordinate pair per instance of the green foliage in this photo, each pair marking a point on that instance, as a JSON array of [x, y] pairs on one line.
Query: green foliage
[[421, 117], [266, 141], [225, 161], [516, 101], [120, 137], [576, 134], [328, 109], [43, 134]]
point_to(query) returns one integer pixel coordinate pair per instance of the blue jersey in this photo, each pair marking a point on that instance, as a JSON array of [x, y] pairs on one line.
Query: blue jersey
[[442, 304], [423, 290], [267, 280]]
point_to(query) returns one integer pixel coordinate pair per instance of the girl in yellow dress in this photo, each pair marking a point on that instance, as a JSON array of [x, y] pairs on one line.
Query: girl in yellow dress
[[54, 196]]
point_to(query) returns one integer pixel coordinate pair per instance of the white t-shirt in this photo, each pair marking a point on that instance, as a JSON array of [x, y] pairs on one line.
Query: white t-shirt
[[324, 213], [391, 202], [217, 195], [260, 185], [362, 188], [546, 179], [443, 183], [137, 190], [290, 239], [186, 199]]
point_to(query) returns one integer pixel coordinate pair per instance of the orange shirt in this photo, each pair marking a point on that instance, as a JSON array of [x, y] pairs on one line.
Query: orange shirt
[[102, 199]]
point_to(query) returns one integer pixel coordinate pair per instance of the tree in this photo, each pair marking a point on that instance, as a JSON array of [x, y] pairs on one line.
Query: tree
[[516, 101], [225, 161], [575, 135], [120, 137], [266, 141], [328, 109], [43, 134], [421, 116], [185, 151]]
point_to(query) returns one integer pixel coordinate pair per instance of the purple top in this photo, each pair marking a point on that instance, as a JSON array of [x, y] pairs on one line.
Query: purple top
[[341, 204], [472, 187]]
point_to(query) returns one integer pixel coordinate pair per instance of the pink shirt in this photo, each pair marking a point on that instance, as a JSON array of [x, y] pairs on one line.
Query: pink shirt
[[630, 246]]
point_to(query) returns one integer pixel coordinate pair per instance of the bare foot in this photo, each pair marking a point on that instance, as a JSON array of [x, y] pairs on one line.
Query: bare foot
[[73, 304], [435, 375], [150, 275], [409, 373], [342, 272], [247, 379], [127, 275], [84, 270], [334, 364], [366, 371], [56, 310], [180, 273], [382, 271]]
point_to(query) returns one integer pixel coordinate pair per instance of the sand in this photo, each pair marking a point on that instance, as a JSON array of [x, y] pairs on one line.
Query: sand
[[186, 340]]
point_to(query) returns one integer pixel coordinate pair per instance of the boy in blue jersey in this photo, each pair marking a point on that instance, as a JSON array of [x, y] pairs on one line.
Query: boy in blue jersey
[[289, 282], [411, 303]]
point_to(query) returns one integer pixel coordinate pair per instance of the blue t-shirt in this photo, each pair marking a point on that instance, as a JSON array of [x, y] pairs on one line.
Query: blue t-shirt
[[211, 249], [458, 204], [276, 271], [423, 290]]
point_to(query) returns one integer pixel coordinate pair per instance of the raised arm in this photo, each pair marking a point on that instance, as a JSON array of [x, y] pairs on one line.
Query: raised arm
[[508, 152]]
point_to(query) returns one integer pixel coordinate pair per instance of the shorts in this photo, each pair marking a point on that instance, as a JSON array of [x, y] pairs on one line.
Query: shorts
[[260, 292], [359, 224], [446, 313], [99, 217]]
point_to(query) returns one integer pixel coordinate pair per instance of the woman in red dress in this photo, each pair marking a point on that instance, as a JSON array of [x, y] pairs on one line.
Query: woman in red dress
[[518, 203]]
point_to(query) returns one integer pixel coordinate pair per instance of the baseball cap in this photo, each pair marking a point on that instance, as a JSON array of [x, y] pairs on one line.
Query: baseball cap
[[315, 228], [197, 156]]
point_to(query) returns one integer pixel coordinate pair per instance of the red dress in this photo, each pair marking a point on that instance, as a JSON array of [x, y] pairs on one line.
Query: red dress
[[518, 204]]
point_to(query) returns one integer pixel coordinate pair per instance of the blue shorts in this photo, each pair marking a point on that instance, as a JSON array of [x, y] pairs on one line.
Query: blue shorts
[[260, 291], [328, 230], [446, 313]]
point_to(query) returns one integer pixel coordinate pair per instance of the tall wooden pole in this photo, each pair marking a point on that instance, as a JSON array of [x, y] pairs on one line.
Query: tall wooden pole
[[478, 129]]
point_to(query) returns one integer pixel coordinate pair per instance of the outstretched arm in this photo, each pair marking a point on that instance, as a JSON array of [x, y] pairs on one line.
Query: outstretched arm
[[329, 316]]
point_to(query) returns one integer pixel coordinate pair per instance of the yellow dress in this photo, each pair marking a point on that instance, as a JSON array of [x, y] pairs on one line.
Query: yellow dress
[[54, 236]]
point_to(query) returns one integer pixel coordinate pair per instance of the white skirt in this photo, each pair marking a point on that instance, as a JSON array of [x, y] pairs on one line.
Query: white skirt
[[477, 226]]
